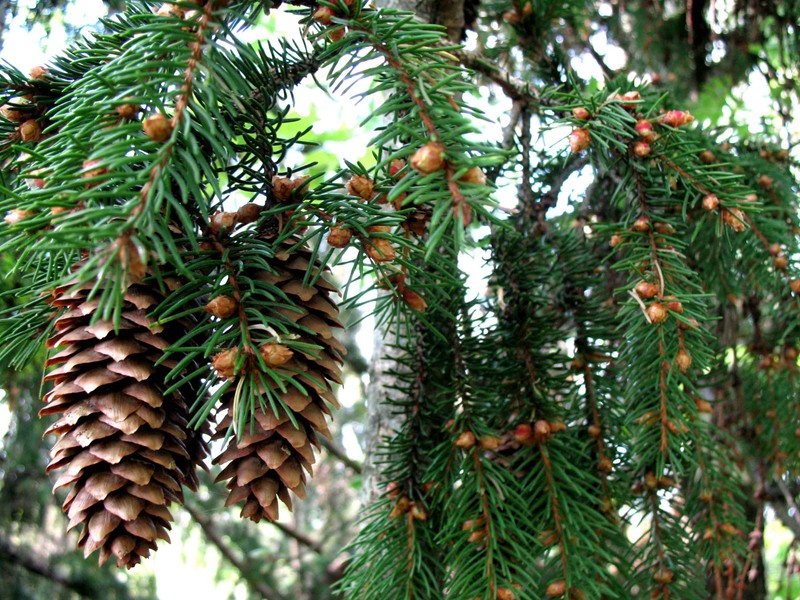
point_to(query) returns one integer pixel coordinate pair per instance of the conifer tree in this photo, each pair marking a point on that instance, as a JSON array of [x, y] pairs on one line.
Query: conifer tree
[[609, 420]]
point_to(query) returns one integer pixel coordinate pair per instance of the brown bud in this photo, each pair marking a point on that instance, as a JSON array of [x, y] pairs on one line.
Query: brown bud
[[401, 508], [335, 34], [505, 594], [709, 534], [224, 362], [641, 149], [413, 300], [222, 307], [275, 355], [465, 440], [474, 175], [380, 250], [361, 186], [605, 465], [774, 249], [428, 158], [650, 480], [512, 17], [397, 165], [324, 15], [476, 536], [248, 213], [705, 496], [13, 114], [707, 157], [92, 169], [581, 113], [548, 537], [38, 72], [794, 285], [222, 220], [684, 360], [557, 426], [418, 512], [710, 202], [30, 131], [734, 218], [646, 290], [780, 262], [579, 140], [541, 430], [393, 490], [157, 127], [556, 589], [674, 305], [594, 431], [339, 237], [703, 406], [642, 225], [300, 184], [657, 313], [616, 240], [663, 576], [127, 111], [489, 442], [630, 99], [281, 188], [15, 216], [766, 182]]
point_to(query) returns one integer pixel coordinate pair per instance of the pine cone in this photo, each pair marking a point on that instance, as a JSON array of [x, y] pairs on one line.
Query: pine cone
[[125, 445], [271, 454]]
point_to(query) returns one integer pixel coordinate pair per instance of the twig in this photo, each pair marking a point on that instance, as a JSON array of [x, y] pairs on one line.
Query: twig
[[339, 453], [208, 527], [299, 537], [14, 555]]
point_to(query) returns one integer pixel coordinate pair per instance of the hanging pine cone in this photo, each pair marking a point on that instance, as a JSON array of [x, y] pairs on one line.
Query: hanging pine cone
[[270, 456], [124, 445]]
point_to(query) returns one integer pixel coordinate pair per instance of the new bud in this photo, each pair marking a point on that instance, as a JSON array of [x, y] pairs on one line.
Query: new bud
[[579, 140], [428, 158]]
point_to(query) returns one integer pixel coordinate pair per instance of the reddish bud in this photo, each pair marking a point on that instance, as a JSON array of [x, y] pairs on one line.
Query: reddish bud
[[335, 34], [397, 165], [794, 285], [579, 140], [766, 182], [780, 262], [541, 430], [642, 225], [645, 130], [676, 118], [616, 240], [523, 433], [703, 406], [605, 465], [489, 442], [38, 72], [594, 431], [581, 113], [663, 576]]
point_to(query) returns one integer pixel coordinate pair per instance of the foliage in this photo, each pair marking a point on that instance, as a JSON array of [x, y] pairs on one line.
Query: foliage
[[609, 420]]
